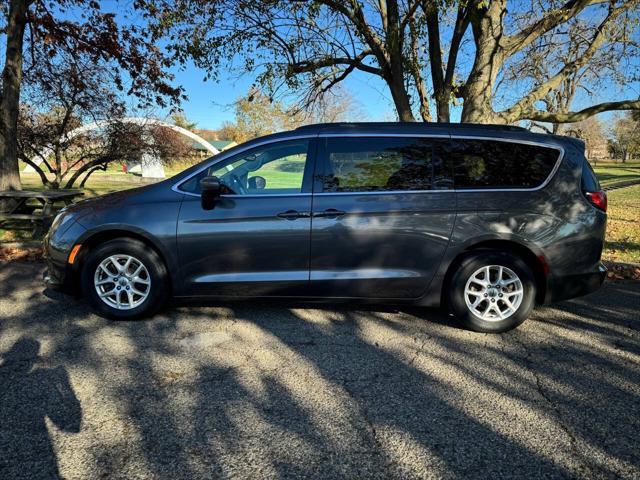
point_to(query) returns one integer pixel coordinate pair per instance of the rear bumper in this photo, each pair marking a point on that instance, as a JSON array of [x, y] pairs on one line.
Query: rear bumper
[[571, 286]]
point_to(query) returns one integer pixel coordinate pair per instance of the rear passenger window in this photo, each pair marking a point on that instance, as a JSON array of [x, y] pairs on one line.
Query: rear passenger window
[[495, 164], [370, 164]]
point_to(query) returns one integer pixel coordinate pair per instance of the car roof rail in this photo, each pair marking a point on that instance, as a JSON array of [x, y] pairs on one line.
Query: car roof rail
[[493, 127]]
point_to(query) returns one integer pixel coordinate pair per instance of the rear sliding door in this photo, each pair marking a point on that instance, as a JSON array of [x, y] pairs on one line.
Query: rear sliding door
[[382, 215]]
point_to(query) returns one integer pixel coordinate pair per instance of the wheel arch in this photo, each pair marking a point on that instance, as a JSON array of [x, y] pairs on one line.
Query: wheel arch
[[534, 260], [96, 237]]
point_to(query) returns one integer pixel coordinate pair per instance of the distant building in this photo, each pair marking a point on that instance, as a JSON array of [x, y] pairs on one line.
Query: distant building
[[597, 152], [210, 136]]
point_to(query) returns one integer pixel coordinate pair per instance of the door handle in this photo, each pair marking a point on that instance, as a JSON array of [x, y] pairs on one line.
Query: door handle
[[293, 214], [330, 213]]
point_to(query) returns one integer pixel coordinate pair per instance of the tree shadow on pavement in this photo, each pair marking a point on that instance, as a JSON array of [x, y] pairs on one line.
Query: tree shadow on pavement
[[28, 395], [285, 390]]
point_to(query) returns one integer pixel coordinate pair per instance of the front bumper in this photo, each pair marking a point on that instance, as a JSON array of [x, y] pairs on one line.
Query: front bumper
[[572, 286], [59, 274], [52, 278]]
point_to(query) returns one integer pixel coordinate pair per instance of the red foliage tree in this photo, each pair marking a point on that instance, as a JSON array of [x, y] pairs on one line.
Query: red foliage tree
[[40, 33]]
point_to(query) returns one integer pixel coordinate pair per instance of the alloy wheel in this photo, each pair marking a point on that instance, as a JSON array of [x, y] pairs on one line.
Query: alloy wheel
[[122, 282], [493, 293]]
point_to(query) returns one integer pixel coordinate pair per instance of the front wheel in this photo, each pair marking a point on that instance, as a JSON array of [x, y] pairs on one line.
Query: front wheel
[[492, 292], [124, 279]]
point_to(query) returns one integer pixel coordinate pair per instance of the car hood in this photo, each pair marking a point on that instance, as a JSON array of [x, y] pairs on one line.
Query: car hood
[[111, 200]]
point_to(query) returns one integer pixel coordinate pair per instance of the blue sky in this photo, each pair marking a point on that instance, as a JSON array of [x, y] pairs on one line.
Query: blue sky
[[210, 102]]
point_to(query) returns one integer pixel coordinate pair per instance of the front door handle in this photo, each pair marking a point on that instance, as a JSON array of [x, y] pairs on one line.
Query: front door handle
[[330, 213], [293, 214]]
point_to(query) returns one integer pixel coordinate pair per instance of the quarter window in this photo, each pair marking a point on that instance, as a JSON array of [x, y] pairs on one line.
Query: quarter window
[[370, 164], [589, 180], [481, 164]]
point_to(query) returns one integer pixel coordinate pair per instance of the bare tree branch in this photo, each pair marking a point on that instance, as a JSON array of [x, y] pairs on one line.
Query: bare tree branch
[[549, 21], [521, 108], [570, 117], [356, 15], [309, 66]]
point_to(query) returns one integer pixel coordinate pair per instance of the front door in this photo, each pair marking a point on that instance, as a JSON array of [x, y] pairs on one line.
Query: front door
[[383, 212], [255, 241]]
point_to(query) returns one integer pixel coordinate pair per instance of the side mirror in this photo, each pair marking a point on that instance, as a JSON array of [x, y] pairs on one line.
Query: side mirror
[[210, 192]]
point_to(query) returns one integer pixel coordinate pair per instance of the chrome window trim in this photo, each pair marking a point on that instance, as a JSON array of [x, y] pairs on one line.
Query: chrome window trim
[[252, 195], [385, 192], [262, 195], [559, 148], [555, 168]]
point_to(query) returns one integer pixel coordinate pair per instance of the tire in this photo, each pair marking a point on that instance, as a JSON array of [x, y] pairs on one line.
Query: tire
[[499, 309], [151, 284]]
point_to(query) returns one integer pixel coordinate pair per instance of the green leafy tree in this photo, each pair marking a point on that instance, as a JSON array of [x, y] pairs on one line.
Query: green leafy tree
[[258, 114], [180, 119], [255, 115]]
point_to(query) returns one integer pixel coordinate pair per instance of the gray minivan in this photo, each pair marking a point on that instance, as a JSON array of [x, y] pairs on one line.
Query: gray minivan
[[486, 220]]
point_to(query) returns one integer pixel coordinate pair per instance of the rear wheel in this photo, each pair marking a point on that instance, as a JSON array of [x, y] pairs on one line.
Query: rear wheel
[[492, 291], [124, 279]]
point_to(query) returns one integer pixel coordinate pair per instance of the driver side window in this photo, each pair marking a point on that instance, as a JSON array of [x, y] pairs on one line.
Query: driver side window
[[271, 169]]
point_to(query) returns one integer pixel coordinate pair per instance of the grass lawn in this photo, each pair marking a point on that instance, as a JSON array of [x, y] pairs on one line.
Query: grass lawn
[[612, 174], [98, 184], [623, 226]]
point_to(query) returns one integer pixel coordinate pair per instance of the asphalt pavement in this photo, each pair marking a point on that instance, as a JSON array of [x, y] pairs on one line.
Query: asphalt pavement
[[282, 390]]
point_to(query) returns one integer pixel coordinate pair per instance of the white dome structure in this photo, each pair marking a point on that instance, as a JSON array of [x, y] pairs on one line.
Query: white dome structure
[[150, 166]]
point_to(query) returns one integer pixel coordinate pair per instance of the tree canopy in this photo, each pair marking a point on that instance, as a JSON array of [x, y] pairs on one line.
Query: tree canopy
[[503, 61], [625, 142]]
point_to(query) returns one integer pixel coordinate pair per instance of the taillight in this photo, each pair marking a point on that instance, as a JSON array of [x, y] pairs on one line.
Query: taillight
[[598, 199]]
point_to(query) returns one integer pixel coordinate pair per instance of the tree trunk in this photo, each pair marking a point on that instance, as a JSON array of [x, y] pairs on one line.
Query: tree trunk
[[442, 105], [39, 171], [401, 98], [58, 168], [10, 101], [98, 162], [86, 177], [442, 91], [478, 91], [394, 67]]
